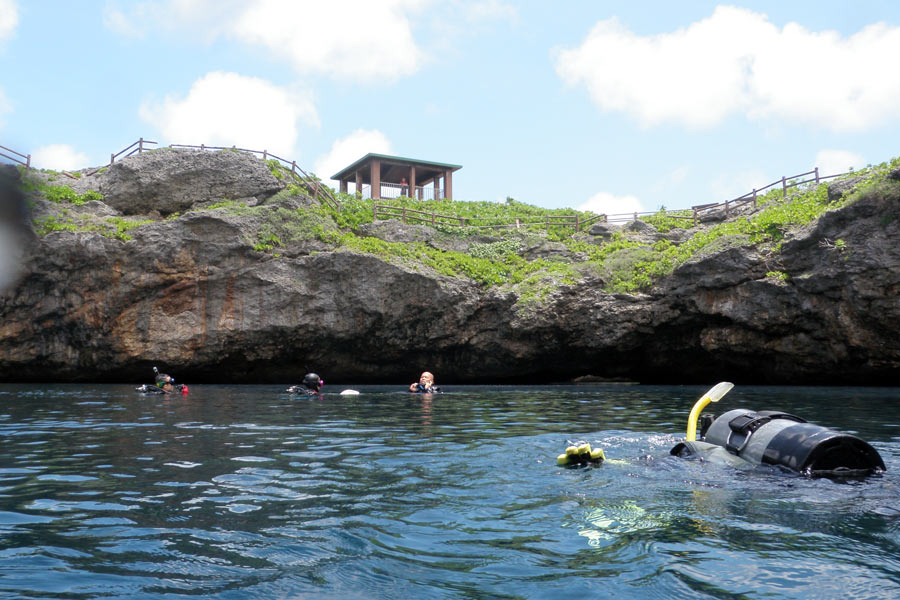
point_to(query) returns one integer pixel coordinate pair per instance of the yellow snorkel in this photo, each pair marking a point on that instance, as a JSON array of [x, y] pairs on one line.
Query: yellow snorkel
[[713, 395]]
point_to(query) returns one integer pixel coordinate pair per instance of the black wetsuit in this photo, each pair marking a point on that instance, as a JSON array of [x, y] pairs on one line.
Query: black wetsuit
[[421, 389], [157, 389], [302, 390]]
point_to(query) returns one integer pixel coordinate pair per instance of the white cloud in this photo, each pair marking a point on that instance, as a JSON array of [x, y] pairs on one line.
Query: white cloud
[[59, 157], [345, 39], [835, 162], [351, 148], [370, 41], [9, 18], [608, 204], [737, 61], [227, 109]]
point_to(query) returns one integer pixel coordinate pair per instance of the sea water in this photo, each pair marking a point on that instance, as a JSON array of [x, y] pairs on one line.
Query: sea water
[[248, 492]]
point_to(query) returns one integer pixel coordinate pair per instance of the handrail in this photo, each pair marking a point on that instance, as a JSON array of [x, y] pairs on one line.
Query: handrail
[[312, 183], [410, 213], [27, 157], [140, 148], [786, 182], [315, 185]]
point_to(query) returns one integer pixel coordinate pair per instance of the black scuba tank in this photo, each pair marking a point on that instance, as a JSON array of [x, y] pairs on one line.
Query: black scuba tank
[[778, 438]]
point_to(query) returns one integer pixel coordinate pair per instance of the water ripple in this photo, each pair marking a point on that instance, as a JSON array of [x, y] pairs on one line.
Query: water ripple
[[223, 496]]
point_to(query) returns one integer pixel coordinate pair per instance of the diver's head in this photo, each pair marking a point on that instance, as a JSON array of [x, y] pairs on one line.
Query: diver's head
[[426, 378], [313, 381]]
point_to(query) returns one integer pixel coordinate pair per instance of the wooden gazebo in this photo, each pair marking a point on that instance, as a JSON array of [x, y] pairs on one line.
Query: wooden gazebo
[[381, 176]]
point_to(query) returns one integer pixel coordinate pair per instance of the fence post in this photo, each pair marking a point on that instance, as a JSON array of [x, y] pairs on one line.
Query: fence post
[[202, 147], [754, 198], [577, 229], [783, 187], [817, 175], [432, 219], [112, 158], [462, 222], [28, 162], [293, 166], [726, 209], [140, 145], [265, 153], [635, 216], [374, 212], [403, 215], [695, 217]]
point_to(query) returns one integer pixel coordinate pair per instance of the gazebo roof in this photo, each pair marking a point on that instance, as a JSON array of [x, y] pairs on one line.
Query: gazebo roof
[[394, 167]]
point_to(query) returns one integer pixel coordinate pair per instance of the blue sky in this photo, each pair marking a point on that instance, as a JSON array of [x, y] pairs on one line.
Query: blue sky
[[602, 105]]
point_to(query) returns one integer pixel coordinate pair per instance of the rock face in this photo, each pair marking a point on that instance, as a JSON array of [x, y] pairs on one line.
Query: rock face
[[194, 297], [169, 181]]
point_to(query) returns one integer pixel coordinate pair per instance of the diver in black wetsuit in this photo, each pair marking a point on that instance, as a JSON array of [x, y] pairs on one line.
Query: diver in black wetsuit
[[425, 385], [310, 386], [165, 384]]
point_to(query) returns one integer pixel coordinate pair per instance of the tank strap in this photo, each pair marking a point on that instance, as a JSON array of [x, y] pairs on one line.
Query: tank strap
[[743, 426]]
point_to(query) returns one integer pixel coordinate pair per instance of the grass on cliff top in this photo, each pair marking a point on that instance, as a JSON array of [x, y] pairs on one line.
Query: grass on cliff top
[[626, 263], [356, 212]]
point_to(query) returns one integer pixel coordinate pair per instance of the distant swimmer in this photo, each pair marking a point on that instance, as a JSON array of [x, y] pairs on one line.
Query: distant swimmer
[[425, 385], [311, 385], [165, 384]]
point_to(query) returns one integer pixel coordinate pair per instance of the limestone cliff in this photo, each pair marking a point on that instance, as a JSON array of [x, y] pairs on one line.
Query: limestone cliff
[[193, 290]]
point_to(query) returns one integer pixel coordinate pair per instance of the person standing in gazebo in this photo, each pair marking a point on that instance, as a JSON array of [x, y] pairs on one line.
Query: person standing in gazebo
[[404, 187]]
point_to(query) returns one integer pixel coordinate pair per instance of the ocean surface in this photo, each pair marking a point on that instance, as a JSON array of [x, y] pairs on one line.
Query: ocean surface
[[248, 492]]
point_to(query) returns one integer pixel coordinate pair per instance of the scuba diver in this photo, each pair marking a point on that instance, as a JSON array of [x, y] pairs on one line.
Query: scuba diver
[[425, 385], [745, 438], [165, 384], [310, 386]]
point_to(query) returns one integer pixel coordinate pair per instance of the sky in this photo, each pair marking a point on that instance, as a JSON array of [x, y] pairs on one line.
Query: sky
[[599, 105]]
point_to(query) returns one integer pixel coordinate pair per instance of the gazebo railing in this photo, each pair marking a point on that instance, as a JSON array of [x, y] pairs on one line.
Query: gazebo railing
[[391, 191]]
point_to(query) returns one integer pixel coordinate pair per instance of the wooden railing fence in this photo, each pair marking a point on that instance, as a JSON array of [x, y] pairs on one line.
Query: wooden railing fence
[[300, 176], [751, 197], [578, 223], [27, 157], [387, 211]]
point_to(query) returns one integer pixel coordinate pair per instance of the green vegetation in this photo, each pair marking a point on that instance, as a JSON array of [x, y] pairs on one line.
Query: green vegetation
[[276, 168], [627, 262], [122, 226], [52, 223], [61, 194], [225, 203]]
